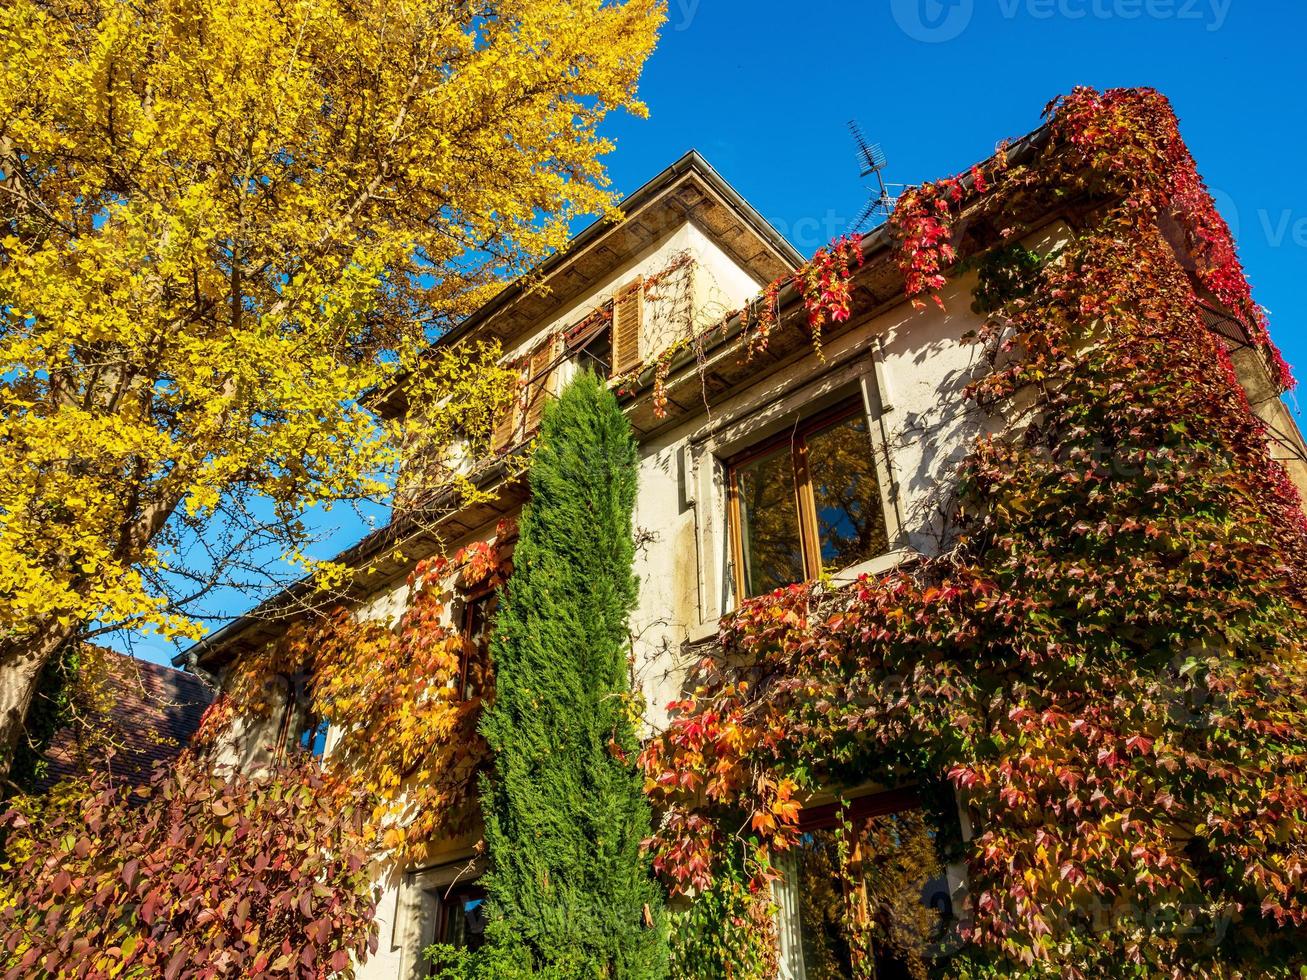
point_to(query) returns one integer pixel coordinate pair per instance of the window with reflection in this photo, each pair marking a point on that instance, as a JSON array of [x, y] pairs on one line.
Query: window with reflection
[[870, 901], [299, 726], [770, 542], [807, 503], [461, 917], [474, 662], [313, 736]]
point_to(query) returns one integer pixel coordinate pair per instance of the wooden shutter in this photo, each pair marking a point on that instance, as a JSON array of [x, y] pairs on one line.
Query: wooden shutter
[[505, 434], [542, 375], [628, 325]]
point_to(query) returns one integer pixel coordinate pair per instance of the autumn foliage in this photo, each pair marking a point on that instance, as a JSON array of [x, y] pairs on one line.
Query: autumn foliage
[[210, 872], [405, 738], [825, 283], [225, 220], [1109, 666], [200, 874]]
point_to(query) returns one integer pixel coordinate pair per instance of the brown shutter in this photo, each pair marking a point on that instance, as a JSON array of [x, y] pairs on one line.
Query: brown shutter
[[506, 427], [628, 324], [541, 377]]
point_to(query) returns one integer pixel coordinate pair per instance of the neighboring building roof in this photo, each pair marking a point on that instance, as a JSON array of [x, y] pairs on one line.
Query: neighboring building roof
[[145, 715]]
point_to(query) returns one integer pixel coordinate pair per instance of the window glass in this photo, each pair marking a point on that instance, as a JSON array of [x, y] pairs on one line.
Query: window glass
[[478, 620], [811, 505], [883, 903], [462, 919], [313, 737], [598, 353], [770, 546], [591, 342], [845, 494]]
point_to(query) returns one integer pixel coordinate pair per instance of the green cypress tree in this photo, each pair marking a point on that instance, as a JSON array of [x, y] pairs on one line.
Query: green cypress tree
[[570, 892]]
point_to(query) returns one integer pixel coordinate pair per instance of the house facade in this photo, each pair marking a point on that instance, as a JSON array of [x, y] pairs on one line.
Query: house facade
[[762, 463]]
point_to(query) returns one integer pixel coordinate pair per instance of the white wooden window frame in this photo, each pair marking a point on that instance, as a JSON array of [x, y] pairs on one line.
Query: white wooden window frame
[[417, 909]]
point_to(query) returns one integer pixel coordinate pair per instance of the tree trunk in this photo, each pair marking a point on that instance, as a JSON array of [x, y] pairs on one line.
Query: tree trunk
[[20, 671]]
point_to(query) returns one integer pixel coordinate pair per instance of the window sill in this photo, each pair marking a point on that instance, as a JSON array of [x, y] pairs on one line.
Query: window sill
[[879, 565], [702, 633], [875, 566]]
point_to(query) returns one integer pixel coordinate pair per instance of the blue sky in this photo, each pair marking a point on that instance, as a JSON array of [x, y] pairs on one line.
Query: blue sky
[[764, 90]]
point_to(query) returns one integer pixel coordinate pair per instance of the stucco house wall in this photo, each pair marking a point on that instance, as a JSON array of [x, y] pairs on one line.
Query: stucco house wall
[[908, 366], [718, 286]]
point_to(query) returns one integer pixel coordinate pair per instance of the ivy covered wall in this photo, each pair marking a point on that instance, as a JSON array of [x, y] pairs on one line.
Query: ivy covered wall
[[1108, 668]]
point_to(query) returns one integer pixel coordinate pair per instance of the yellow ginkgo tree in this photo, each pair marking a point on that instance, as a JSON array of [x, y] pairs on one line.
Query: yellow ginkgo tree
[[221, 221]]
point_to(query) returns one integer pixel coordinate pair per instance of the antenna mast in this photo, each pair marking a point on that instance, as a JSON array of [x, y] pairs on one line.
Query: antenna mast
[[871, 163]]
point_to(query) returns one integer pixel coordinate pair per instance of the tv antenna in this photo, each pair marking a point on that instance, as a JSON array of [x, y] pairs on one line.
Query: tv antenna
[[871, 163]]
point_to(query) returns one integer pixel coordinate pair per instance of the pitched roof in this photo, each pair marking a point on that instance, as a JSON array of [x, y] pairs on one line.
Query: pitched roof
[[146, 715], [689, 190]]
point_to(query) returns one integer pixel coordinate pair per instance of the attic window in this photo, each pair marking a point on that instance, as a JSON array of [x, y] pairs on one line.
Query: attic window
[[591, 341], [609, 340]]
